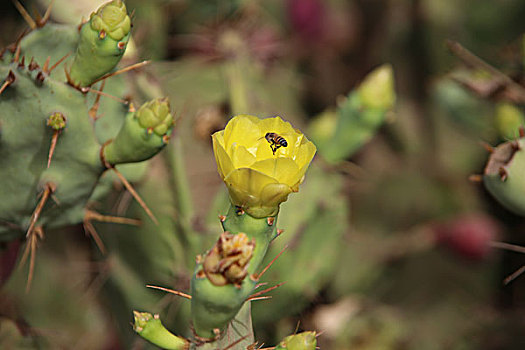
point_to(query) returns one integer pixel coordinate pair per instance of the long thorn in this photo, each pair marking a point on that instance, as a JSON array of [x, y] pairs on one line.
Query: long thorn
[[135, 195], [54, 140], [258, 277], [45, 69], [58, 62], [30, 249], [44, 19], [94, 109], [100, 93], [93, 215], [236, 342], [514, 275], [90, 230], [27, 17], [265, 291], [176, 292], [477, 178], [266, 297], [123, 70], [8, 81], [49, 189], [507, 246]]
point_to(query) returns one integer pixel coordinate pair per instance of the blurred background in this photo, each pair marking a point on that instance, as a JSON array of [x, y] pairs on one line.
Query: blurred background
[[390, 244]]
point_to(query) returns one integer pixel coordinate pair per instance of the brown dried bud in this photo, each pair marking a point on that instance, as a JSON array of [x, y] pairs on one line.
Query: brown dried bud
[[227, 261]]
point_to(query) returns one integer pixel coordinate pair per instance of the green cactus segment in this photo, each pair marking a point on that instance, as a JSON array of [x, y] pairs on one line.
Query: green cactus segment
[[357, 118], [214, 306], [102, 43], [301, 341], [150, 327], [509, 119], [143, 134], [26, 106], [503, 175], [262, 230]]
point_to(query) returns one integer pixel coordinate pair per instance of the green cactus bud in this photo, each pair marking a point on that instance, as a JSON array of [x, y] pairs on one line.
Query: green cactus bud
[[301, 341], [509, 119], [113, 19], [143, 134], [102, 43], [227, 261], [151, 328], [503, 175], [155, 116], [377, 90]]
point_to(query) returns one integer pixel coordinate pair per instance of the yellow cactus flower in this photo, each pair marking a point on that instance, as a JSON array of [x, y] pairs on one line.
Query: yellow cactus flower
[[261, 161]]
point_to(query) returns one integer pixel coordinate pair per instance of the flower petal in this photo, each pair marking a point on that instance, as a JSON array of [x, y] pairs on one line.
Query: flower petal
[[224, 163], [243, 131], [240, 157], [274, 194], [248, 180], [283, 169]]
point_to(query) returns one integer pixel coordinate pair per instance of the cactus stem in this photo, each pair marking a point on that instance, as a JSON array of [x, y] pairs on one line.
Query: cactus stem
[[255, 295], [514, 275], [94, 109], [57, 63], [476, 178], [90, 230], [10, 79], [503, 174], [487, 147], [123, 70], [31, 245], [130, 188], [222, 218], [258, 276], [25, 15], [176, 292]]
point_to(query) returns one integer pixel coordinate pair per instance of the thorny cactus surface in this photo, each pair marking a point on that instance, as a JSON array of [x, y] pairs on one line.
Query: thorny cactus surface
[[260, 172], [51, 152]]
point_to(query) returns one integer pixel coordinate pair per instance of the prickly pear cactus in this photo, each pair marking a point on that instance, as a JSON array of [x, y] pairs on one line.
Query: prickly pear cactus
[[51, 156], [259, 177]]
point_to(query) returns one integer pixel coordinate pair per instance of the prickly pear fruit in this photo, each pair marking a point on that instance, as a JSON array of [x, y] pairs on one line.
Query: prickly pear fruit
[[503, 175], [103, 40]]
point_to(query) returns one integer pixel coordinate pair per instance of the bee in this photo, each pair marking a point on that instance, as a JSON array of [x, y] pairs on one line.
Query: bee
[[275, 141]]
